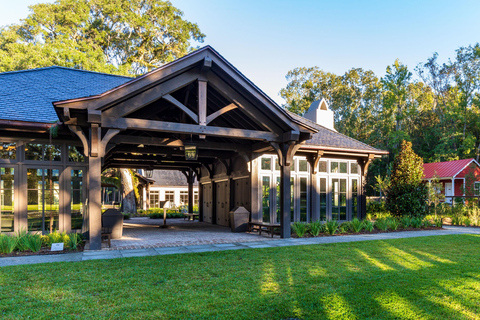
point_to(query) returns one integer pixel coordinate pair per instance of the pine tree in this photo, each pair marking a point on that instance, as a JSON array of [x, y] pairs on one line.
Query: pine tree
[[407, 195]]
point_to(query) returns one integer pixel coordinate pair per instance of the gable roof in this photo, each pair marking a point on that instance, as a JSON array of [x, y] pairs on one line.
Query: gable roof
[[28, 95], [170, 178], [446, 169], [330, 138]]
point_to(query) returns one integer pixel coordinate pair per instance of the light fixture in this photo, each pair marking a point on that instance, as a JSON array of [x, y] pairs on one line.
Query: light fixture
[[149, 173], [191, 152]]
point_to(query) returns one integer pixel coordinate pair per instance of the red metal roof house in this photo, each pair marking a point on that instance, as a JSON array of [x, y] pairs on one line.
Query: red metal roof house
[[459, 177]]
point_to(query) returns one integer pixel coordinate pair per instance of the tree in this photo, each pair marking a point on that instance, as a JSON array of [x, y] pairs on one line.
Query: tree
[[128, 37], [307, 85], [435, 195], [406, 194]]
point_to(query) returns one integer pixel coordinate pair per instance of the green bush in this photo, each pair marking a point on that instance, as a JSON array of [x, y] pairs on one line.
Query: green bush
[[331, 227], [155, 215], [357, 225], [33, 242], [392, 224], [381, 224], [299, 228], [406, 194], [368, 225], [417, 223], [315, 228], [74, 240], [7, 243], [438, 222], [21, 238], [406, 222], [376, 207], [467, 222], [344, 227]]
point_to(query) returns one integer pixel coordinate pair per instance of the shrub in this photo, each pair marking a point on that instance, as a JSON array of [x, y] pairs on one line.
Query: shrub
[[331, 227], [7, 243], [126, 215], [467, 222], [299, 228], [74, 240], [21, 238], [381, 224], [344, 227], [457, 220], [406, 194], [392, 224], [376, 207], [438, 222], [368, 225], [54, 237], [474, 215], [315, 228], [357, 225], [33, 242], [416, 223], [406, 222]]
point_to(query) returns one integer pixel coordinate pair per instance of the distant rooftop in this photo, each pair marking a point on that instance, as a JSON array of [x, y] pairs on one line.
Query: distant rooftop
[[445, 169], [27, 95]]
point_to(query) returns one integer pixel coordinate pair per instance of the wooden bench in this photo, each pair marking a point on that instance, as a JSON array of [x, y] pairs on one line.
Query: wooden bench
[[191, 216], [107, 236], [261, 226]]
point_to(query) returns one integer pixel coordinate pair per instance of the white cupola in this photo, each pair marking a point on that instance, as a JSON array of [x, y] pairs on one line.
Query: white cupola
[[319, 113]]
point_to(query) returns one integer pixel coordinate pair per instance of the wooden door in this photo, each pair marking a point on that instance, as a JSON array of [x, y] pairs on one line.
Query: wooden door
[[241, 193], [222, 207], [207, 202]]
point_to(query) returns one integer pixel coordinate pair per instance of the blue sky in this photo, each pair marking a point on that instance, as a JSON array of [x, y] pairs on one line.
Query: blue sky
[[265, 39]]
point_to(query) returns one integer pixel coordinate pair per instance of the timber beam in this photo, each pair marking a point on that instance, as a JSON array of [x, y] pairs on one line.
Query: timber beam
[[174, 127]]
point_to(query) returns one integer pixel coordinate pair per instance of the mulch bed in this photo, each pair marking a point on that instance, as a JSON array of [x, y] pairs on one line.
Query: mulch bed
[[367, 232], [43, 251]]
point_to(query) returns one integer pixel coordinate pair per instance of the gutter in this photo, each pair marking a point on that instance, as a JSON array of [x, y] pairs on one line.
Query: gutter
[[15, 125]]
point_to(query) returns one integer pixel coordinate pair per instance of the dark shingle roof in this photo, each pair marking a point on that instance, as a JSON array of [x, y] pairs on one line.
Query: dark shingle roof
[[172, 178], [27, 95], [329, 138]]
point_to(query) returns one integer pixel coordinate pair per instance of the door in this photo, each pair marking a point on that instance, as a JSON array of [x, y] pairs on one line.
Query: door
[[222, 197], [448, 192], [207, 202], [339, 199]]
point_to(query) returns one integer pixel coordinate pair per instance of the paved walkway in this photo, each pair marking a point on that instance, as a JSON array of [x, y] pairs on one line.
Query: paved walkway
[[142, 233], [126, 253]]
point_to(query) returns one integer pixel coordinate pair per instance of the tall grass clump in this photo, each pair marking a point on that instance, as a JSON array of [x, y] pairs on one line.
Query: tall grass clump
[[33, 242], [299, 228], [7, 243], [331, 227], [393, 224], [368, 225], [357, 225], [315, 228], [381, 224]]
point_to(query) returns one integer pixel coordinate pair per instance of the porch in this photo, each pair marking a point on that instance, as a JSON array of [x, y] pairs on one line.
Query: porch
[[143, 232]]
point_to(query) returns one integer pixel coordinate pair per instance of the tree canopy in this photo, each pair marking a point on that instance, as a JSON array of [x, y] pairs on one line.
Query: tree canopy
[[436, 107], [127, 37]]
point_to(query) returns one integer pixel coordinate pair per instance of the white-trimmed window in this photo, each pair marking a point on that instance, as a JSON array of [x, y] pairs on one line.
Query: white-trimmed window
[[476, 188]]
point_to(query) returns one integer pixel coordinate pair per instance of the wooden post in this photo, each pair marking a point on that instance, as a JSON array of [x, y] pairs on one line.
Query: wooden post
[[200, 201], [95, 188], [364, 163], [285, 193], [191, 178], [202, 105]]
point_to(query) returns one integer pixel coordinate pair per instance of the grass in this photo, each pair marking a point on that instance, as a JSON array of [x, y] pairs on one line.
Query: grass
[[416, 278]]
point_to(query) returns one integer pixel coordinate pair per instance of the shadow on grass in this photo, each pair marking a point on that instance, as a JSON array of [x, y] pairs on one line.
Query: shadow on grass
[[430, 277]]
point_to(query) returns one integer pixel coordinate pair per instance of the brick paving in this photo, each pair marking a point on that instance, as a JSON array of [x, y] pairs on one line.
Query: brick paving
[[141, 233]]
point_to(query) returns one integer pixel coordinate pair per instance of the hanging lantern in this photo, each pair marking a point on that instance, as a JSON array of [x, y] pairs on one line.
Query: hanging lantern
[[191, 152], [149, 173]]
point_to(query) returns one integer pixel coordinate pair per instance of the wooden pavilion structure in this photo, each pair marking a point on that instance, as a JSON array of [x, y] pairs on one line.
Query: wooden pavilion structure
[[201, 116]]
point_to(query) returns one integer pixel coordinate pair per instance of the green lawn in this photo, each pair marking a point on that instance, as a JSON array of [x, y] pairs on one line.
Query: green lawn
[[420, 278]]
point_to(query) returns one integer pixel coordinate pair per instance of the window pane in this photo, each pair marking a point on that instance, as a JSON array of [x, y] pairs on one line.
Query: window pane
[[302, 165], [303, 199], [343, 167], [334, 167], [266, 163], [277, 165], [184, 197], [266, 199], [52, 152], [7, 177], [322, 166], [154, 199], [354, 168], [77, 199], [33, 151], [8, 150], [75, 154]]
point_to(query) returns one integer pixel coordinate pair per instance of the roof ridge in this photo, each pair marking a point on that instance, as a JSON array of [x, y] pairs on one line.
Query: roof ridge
[[450, 161], [61, 67]]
